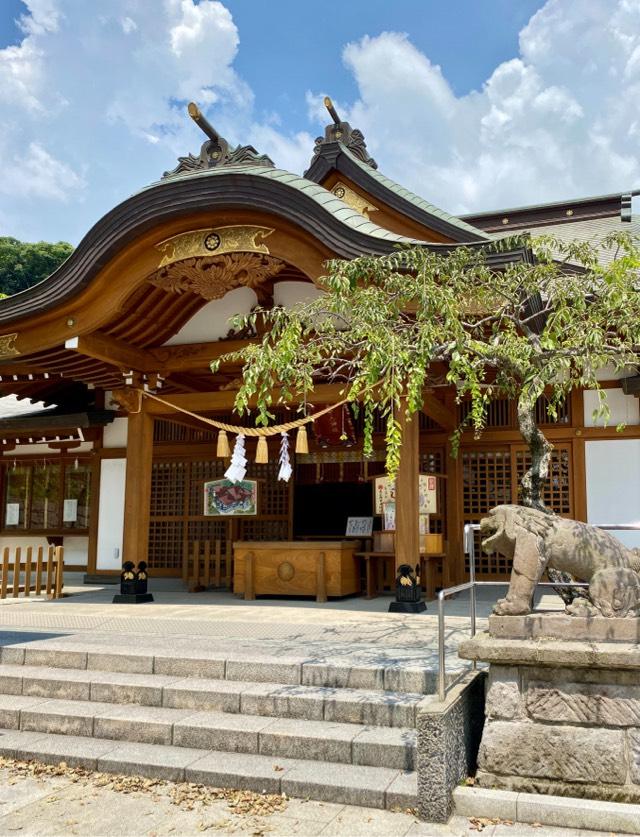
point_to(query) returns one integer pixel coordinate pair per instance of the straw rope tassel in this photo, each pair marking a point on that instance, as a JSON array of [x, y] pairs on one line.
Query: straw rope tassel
[[262, 451], [302, 442], [223, 450]]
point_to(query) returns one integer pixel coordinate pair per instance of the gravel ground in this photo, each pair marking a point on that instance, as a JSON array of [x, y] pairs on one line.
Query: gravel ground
[[38, 799]]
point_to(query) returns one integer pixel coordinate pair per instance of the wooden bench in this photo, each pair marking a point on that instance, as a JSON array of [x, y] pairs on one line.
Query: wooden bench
[[42, 570], [204, 565]]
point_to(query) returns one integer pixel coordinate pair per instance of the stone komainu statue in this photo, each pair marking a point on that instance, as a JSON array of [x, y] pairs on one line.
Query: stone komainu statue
[[535, 540]]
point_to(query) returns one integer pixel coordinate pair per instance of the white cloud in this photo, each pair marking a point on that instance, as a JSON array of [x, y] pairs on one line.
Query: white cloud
[[36, 174], [92, 107], [556, 121]]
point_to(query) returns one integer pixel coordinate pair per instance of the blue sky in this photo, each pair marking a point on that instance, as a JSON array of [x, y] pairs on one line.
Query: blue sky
[[474, 105]]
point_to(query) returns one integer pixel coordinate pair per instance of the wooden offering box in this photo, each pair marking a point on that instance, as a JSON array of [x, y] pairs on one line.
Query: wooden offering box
[[295, 568]]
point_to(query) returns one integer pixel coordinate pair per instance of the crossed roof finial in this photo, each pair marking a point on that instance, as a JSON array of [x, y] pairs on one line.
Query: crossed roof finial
[[342, 132], [215, 151]]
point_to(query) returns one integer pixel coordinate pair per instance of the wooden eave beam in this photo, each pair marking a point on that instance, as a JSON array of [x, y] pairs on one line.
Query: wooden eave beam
[[194, 355], [114, 352], [436, 410], [213, 401]]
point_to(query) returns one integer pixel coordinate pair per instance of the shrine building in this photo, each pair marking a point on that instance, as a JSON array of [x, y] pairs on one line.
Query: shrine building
[[145, 303]]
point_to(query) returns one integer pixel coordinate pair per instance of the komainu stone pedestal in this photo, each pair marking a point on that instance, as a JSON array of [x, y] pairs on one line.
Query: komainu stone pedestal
[[563, 705]]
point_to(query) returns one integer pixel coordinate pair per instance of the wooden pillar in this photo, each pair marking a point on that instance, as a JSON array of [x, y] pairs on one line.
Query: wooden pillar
[[407, 497], [137, 495]]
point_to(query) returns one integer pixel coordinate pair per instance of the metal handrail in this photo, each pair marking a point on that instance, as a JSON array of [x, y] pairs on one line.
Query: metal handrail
[[469, 547]]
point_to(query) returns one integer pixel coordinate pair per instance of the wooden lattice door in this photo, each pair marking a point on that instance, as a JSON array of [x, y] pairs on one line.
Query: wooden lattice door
[[492, 476], [177, 511]]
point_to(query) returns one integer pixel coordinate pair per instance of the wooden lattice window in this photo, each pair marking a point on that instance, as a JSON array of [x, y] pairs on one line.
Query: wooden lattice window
[[492, 477], [498, 412], [49, 497], [486, 482], [563, 410]]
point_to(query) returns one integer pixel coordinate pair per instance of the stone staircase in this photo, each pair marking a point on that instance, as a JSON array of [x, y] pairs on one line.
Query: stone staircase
[[318, 729]]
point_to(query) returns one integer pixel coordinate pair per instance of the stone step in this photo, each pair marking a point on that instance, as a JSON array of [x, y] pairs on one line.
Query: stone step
[[397, 675], [310, 703], [375, 787], [280, 737]]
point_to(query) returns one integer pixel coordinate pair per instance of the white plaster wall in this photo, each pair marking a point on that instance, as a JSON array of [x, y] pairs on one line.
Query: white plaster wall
[[111, 514], [625, 409], [22, 541], [613, 484], [76, 549], [115, 434], [288, 294], [214, 320], [609, 373]]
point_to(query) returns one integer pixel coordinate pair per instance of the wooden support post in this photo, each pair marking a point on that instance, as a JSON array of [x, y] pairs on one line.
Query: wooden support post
[[27, 571], [5, 573], [249, 590], [16, 572], [38, 571], [59, 584], [137, 495], [321, 578], [217, 575], [207, 564], [407, 496], [49, 586]]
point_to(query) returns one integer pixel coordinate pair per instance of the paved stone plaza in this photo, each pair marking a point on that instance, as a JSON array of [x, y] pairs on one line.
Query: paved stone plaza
[[352, 632], [103, 806]]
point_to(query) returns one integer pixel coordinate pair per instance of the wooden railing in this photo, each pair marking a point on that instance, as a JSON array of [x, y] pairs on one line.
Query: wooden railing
[[42, 568], [204, 566]]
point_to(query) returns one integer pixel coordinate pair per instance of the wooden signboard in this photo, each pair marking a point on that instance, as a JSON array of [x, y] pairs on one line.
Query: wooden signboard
[[385, 492]]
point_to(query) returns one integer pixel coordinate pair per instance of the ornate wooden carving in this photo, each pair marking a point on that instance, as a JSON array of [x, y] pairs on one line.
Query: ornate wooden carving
[[353, 199], [213, 277], [213, 240], [7, 348], [127, 399]]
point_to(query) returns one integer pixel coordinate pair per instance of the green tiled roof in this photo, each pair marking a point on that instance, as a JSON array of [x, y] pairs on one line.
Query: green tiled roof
[[422, 204], [348, 216]]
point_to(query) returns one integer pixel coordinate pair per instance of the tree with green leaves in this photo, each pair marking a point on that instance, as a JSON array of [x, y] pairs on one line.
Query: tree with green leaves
[[23, 264], [389, 327]]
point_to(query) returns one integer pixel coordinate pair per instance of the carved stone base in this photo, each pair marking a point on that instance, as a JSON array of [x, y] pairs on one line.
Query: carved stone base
[[562, 714]]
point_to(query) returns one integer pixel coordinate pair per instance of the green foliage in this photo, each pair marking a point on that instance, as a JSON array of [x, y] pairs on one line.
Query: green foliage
[[23, 264], [389, 326]]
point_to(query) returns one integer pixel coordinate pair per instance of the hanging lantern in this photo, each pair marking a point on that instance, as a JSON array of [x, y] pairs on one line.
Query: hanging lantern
[[302, 442], [223, 451], [262, 451]]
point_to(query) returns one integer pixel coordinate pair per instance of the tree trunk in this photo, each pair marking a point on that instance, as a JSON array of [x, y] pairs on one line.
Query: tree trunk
[[533, 481]]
